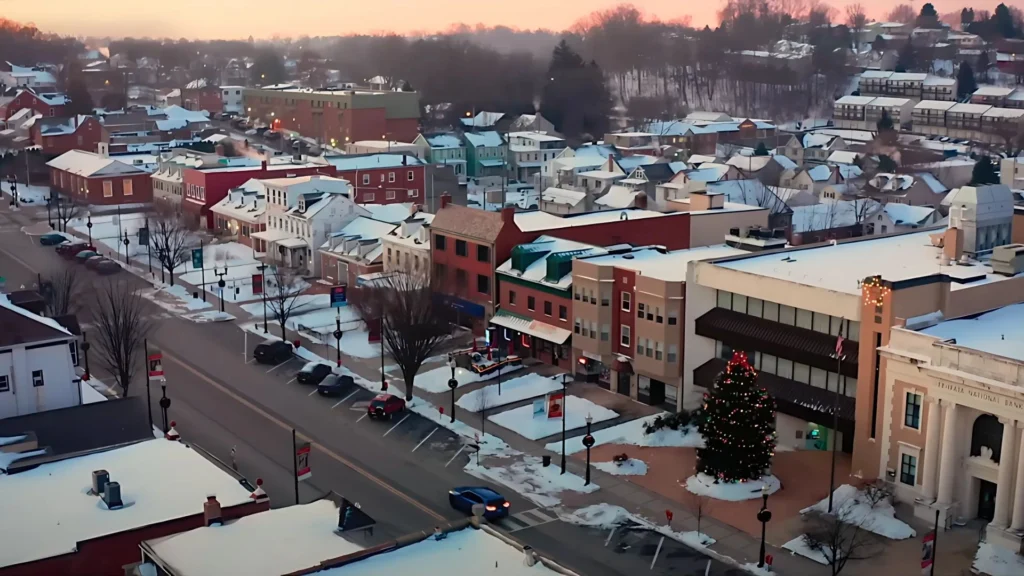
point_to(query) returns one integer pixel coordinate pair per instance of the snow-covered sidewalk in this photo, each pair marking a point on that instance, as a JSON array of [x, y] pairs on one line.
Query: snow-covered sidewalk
[[514, 390], [533, 426], [632, 433]]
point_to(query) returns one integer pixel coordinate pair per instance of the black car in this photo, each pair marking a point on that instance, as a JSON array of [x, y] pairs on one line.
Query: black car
[[334, 385], [273, 352], [313, 373]]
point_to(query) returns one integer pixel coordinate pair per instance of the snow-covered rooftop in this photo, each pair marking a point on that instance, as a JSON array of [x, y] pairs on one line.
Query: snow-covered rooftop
[[48, 511], [842, 157], [535, 221], [907, 215], [562, 196], [618, 197], [371, 161], [287, 540], [488, 139], [934, 105], [88, 164], [393, 213], [888, 102], [998, 332], [444, 141], [537, 271], [842, 267], [829, 215], [969, 108], [993, 91], [854, 100], [661, 264]]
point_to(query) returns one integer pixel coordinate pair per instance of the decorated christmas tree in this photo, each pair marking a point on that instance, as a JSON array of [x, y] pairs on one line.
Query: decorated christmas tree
[[738, 426]]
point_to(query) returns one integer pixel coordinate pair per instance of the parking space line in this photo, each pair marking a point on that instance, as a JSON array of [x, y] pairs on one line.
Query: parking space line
[[397, 425], [425, 438], [361, 417], [292, 380], [354, 392], [311, 393], [279, 365], [461, 448], [250, 361]]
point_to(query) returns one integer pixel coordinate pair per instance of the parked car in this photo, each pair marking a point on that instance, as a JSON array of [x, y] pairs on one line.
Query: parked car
[[71, 249], [335, 385], [92, 262], [313, 373], [106, 267], [84, 255], [250, 132], [463, 498], [385, 406], [52, 239], [273, 352], [272, 135]]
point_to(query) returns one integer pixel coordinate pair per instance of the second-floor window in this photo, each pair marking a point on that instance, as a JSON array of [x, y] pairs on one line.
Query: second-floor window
[[461, 248], [912, 412], [483, 254], [439, 242], [366, 179], [483, 284], [391, 176], [547, 308], [624, 336], [512, 297], [411, 176], [563, 313], [626, 301], [531, 303]]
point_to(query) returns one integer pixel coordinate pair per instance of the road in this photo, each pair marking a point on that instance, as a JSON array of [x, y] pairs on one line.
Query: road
[[399, 471]]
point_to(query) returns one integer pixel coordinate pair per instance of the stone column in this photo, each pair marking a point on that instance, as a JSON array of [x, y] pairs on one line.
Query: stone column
[[1007, 464], [948, 463], [1018, 494], [931, 449]]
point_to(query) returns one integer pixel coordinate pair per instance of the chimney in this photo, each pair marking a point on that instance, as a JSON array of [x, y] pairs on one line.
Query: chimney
[[700, 200], [641, 200], [405, 159], [264, 164], [445, 200], [112, 495], [211, 511], [953, 244], [99, 481], [508, 215]]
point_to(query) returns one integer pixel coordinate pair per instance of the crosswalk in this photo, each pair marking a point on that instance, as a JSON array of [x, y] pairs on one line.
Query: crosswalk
[[529, 519]]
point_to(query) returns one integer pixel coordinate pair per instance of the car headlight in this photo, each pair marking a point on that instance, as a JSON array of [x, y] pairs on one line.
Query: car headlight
[[453, 492]]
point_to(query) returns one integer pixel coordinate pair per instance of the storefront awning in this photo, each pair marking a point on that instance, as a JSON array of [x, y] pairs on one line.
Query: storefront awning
[[534, 328]]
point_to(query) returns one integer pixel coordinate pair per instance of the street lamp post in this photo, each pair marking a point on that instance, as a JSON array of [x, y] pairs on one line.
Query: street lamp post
[[337, 335], [221, 284], [263, 292], [763, 516], [452, 382], [14, 190], [165, 403], [588, 441], [85, 350], [565, 381], [126, 243], [88, 225], [160, 255], [49, 201]]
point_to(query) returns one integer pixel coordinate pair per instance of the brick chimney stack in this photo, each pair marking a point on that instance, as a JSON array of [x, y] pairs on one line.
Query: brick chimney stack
[[211, 511], [508, 215], [445, 200]]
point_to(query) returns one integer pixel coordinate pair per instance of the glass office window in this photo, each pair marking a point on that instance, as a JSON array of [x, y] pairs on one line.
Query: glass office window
[[804, 319], [821, 323], [818, 377], [787, 315], [784, 368], [739, 303], [801, 373], [771, 311], [725, 299], [755, 307]]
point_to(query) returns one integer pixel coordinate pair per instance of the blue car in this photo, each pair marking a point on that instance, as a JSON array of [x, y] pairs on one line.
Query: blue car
[[464, 498]]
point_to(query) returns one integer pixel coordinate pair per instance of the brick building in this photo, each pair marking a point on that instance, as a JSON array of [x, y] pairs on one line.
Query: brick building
[[92, 178], [383, 178], [336, 116], [197, 95], [203, 188], [59, 135], [58, 525], [46, 104]]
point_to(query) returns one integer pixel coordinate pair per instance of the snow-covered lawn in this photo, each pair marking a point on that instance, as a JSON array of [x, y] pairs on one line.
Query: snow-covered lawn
[[853, 507], [109, 231], [30, 194], [532, 426], [632, 433], [631, 467], [436, 380], [800, 547], [997, 561], [704, 485], [314, 316], [514, 390], [530, 479]]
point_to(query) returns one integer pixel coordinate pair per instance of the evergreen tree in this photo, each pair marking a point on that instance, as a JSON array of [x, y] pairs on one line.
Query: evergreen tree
[[983, 66], [880, 44], [575, 98], [928, 18], [966, 18], [738, 426], [80, 99], [906, 58], [984, 172], [965, 82], [1004, 22], [761, 149]]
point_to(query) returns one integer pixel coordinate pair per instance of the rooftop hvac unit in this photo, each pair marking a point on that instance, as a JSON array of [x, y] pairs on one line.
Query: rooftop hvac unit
[[112, 495], [100, 478]]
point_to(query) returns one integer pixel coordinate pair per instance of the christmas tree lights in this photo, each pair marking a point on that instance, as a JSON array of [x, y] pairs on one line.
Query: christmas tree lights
[[738, 426]]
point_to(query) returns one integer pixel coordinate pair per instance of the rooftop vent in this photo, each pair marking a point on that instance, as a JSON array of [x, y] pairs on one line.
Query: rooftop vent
[[112, 495], [1008, 260], [99, 481]]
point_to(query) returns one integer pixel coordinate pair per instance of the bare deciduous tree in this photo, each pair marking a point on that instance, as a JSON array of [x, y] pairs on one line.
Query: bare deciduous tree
[[904, 13], [65, 209], [699, 505], [839, 538], [61, 291], [120, 328], [170, 237], [282, 293], [414, 319]]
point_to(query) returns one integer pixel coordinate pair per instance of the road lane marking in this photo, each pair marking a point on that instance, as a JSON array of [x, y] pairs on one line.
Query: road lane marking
[[363, 416], [279, 365], [359, 469], [292, 380], [397, 425], [354, 392], [311, 393], [425, 439], [461, 448]]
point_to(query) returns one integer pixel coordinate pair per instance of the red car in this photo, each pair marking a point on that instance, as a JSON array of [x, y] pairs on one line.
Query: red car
[[385, 406], [71, 249]]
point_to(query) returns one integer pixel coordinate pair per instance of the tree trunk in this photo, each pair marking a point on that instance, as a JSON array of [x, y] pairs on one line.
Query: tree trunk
[[284, 331], [408, 385]]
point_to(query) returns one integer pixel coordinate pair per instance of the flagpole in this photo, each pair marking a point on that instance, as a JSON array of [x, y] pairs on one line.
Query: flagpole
[[835, 413], [935, 543]]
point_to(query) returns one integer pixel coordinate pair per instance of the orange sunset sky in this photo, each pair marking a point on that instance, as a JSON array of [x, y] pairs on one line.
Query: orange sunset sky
[[267, 18]]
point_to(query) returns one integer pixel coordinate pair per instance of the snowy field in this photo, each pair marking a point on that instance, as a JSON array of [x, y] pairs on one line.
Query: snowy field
[[631, 467], [632, 433], [524, 422], [108, 232], [30, 194], [313, 316], [853, 507], [705, 485], [514, 390], [436, 380]]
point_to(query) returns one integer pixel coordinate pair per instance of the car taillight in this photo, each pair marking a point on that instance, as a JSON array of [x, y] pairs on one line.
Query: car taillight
[[506, 504], [492, 508]]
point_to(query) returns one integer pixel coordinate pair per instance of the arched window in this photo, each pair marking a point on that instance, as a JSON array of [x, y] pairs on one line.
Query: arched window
[[987, 432]]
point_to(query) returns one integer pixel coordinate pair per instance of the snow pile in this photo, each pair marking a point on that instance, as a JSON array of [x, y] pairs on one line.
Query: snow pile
[[8, 458], [532, 426], [90, 395], [752, 568], [632, 433], [599, 516], [853, 507], [436, 380], [705, 485], [531, 480], [514, 390], [800, 547], [631, 467], [997, 561], [209, 316], [175, 299], [5, 440]]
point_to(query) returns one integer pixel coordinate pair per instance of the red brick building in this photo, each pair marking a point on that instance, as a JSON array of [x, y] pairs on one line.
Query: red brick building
[[203, 188], [197, 95], [47, 104], [336, 117], [67, 529], [383, 178], [91, 178], [59, 135]]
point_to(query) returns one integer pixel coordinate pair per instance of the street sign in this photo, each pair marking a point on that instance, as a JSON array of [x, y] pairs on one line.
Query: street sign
[[143, 236], [302, 469], [197, 257], [257, 284], [339, 296], [155, 362]]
